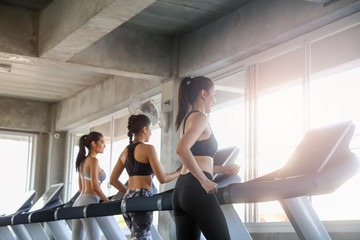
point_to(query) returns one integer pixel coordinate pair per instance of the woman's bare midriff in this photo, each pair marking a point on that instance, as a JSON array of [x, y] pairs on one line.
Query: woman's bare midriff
[[140, 182], [205, 163], [88, 188]]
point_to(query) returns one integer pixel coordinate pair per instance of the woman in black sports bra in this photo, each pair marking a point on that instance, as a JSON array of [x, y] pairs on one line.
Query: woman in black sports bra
[[140, 161], [195, 206]]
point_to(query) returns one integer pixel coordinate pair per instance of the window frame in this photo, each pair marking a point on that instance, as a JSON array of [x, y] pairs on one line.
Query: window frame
[[32, 145], [251, 66]]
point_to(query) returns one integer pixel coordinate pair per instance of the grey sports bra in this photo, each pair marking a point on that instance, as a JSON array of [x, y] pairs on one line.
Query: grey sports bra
[[86, 175], [101, 177]]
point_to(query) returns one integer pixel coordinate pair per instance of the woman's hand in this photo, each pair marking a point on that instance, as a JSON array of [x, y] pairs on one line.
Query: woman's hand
[[209, 186], [231, 169], [179, 169]]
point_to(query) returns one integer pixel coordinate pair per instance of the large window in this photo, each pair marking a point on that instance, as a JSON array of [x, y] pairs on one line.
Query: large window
[[336, 98], [294, 87], [306, 86], [279, 120], [227, 121], [16, 149]]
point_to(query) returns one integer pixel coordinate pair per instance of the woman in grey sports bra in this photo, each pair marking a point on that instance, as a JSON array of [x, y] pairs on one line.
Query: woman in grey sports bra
[[90, 178], [140, 161]]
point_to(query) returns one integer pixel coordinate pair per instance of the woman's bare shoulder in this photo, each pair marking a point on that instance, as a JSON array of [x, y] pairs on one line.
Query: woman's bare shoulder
[[146, 147], [198, 121]]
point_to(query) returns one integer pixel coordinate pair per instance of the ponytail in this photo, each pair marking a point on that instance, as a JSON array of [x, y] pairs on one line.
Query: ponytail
[[189, 90], [82, 152], [130, 135], [183, 103], [85, 142]]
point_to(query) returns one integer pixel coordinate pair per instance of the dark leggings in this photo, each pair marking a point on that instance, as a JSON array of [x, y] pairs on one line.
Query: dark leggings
[[196, 210]]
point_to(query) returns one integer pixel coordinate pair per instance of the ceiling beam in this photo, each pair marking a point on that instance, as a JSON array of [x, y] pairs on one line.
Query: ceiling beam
[[14, 58], [67, 27], [321, 1]]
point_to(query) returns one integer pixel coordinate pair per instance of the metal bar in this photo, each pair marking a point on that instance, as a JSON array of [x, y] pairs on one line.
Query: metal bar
[[304, 219]]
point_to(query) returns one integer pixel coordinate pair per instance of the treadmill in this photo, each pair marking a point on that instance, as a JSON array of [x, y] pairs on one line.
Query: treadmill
[[108, 225], [18, 207], [321, 163], [223, 157], [28, 226]]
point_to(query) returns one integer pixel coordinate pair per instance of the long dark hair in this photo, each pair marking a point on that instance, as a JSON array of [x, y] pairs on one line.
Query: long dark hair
[[85, 141], [189, 90], [136, 123]]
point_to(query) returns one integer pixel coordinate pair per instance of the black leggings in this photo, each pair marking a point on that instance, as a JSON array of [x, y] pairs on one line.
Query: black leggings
[[196, 210]]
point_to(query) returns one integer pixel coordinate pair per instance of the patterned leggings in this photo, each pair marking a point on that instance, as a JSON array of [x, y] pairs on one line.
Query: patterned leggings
[[139, 223]]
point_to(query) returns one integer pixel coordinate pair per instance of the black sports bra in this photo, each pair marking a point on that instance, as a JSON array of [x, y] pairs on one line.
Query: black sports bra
[[134, 167], [206, 147]]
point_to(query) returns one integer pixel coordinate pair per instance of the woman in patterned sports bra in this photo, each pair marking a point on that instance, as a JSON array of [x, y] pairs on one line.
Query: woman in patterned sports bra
[[195, 206], [140, 161], [90, 178]]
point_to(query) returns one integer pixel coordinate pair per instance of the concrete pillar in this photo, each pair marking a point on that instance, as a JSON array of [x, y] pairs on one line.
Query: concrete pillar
[[168, 157], [56, 156], [40, 164]]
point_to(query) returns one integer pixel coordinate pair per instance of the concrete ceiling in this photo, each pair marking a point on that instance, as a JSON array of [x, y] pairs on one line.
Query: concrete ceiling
[[27, 4], [50, 56]]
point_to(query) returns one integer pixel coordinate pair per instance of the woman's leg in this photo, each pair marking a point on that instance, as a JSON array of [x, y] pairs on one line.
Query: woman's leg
[[139, 223], [186, 226], [88, 225], [210, 217], [127, 216], [91, 228], [77, 230], [194, 208]]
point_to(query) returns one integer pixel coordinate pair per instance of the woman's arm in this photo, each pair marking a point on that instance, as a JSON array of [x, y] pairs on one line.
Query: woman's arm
[[116, 172], [195, 128], [94, 169], [157, 167], [231, 169]]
